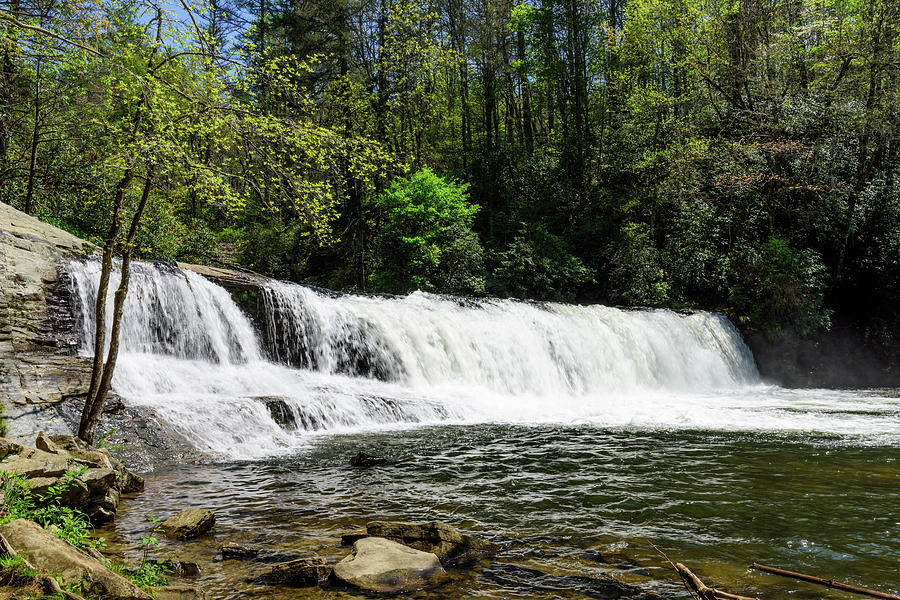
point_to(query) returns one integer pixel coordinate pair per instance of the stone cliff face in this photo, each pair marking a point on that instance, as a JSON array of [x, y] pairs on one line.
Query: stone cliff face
[[39, 363], [43, 379]]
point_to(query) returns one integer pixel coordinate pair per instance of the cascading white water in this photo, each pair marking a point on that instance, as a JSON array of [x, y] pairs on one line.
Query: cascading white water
[[506, 346], [341, 363]]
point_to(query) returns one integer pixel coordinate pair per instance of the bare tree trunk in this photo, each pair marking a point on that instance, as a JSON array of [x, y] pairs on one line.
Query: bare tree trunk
[[93, 406]]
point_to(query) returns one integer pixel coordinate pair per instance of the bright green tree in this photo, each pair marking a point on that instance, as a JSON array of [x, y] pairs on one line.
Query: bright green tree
[[426, 240]]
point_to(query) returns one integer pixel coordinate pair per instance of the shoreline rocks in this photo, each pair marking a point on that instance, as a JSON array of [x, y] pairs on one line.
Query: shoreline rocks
[[97, 479]]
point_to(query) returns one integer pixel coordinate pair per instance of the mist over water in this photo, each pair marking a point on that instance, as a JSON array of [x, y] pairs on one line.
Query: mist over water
[[357, 363]]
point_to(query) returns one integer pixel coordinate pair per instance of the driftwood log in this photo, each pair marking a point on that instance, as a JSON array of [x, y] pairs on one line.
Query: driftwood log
[[704, 591], [826, 582]]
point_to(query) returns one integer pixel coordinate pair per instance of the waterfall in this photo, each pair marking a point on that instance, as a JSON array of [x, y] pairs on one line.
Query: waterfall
[[506, 346], [325, 362]]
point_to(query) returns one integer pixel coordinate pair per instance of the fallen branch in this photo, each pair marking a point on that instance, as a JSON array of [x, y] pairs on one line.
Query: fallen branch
[[704, 591], [826, 582]]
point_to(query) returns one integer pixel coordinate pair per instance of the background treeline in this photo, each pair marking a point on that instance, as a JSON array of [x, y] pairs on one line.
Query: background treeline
[[740, 155]]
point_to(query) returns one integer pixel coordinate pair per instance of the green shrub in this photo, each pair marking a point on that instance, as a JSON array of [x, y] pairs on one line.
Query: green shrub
[[426, 240]]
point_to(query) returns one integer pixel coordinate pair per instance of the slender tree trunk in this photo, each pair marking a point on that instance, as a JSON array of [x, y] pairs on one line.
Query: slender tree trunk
[[93, 408], [84, 432]]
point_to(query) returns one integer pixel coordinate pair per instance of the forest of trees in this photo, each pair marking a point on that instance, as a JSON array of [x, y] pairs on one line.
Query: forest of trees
[[735, 155]]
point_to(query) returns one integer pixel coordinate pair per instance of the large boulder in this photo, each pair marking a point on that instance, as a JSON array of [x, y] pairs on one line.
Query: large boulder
[[450, 545], [189, 523], [380, 565], [302, 571], [55, 556]]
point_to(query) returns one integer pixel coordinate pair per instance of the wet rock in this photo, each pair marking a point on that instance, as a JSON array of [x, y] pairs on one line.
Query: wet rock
[[189, 523], [73, 567], [279, 410], [185, 568], [302, 571], [235, 551], [450, 545], [178, 592], [351, 537], [380, 565], [366, 460]]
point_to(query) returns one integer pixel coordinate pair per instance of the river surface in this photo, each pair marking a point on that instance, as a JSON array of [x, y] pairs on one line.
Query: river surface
[[575, 436], [571, 505]]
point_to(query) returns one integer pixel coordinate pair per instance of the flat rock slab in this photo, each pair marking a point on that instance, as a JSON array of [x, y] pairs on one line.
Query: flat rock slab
[[380, 565], [303, 571], [189, 523], [62, 559]]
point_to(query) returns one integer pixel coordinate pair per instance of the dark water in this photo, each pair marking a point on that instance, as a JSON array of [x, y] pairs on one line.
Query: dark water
[[572, 506]]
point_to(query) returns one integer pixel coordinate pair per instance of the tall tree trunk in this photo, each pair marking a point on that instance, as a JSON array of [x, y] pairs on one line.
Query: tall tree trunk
[[106, 267], [93, 407]]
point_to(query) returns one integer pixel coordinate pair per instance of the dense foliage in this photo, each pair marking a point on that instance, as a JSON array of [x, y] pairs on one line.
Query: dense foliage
[[735, 155]]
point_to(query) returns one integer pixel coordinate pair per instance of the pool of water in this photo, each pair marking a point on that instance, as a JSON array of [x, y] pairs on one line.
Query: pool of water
[[572, 506]]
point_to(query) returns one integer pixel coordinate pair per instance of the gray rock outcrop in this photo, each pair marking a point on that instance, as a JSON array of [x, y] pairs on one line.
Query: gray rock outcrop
[[53, 555], [38, 361], [380, 565]]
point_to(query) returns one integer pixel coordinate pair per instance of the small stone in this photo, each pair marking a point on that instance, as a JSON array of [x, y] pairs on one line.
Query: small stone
[[189, 523], [235, 551], [302, 571], [366, 460], [380, 565]]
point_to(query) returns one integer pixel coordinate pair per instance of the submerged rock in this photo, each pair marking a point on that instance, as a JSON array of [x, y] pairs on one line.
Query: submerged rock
[[366, 460], [178, 592], [235, 551], [380, 565], [302, 571], [189, 523], [449, 544], [62, 559], [279, 410], [185, 568]]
